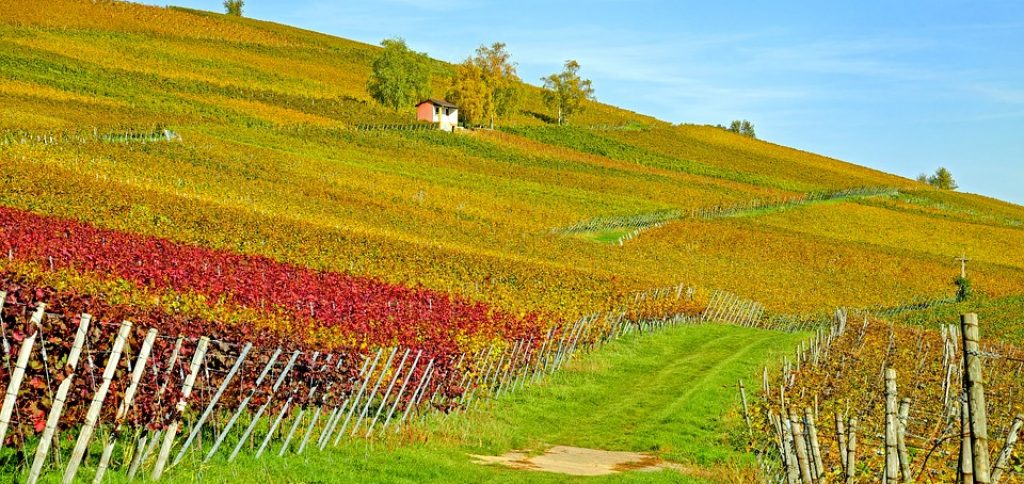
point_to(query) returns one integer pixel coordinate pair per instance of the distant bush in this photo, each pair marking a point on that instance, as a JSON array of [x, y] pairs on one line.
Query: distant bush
[[745, 128], [963, 289], [234, 7], [942, 179]]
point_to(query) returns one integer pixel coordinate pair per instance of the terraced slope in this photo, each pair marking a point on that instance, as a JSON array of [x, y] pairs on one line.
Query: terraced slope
[[266, 162]]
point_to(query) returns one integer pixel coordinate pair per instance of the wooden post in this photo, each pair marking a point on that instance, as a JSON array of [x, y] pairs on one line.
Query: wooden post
[[892, 460], [1003, 460], [851, 452], [901, 440], [841, 440], [800, 447], [316, 414], [963, 265], [263, 408], [146, 448], [126, 404], [339, 410], [401, 391], [274, 425], [812, 437], [53, 419], [213, 402], [11, 396], [966, 459], [373, 394], [242, 406], [358, 396], [974, 385], [186, 391], [93, 415], [387, 393], [416, 395], [391, 386], [746, 410]]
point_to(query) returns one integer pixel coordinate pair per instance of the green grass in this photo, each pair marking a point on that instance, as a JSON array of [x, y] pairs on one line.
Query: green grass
[[672, 394], [606, 236], [1000, 318]]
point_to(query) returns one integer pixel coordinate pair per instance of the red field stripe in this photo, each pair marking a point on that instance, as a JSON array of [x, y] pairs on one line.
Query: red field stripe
[[352, 305]]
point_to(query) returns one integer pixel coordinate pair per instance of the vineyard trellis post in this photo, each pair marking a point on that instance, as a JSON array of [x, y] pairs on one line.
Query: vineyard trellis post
[[815, 448], [126, 404], [339, 410], [387, 393], [172, 430], [373, 394], [841, 440], [398, 397], [198, 426], [851, 452], [146, 444], [263, 408], [800, 446], [901, 439], [57, 408], [892, 461], [746, 410], [93, 414], [966, 474], [1004, 456], [355, 401], [418, 394], [17, 375], [975, 387], [243, 405]]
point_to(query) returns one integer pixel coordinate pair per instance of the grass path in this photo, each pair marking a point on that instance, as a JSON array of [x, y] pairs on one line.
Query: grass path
[[613, 233], [672, 394]]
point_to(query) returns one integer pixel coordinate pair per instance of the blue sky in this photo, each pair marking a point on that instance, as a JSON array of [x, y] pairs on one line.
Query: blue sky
[[903, 86]]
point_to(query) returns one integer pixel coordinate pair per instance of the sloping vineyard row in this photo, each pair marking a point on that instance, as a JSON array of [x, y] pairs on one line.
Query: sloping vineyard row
[[142, 383], [357, 310], [637, 224]]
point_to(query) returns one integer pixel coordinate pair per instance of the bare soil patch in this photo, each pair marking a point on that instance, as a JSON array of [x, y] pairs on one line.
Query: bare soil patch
[[577, 461]]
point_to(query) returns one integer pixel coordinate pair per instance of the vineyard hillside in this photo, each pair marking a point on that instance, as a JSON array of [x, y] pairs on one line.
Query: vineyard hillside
[[220, 258], [251, 137]]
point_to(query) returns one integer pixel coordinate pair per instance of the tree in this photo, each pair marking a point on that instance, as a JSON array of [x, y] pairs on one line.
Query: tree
[[486, 85], [747, 129], [942, 179], [744, 127], [400, 76], [469, 92], [566, 91], [234, 7]]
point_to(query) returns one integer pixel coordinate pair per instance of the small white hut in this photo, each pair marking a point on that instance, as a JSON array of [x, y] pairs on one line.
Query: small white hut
[[439, 111]]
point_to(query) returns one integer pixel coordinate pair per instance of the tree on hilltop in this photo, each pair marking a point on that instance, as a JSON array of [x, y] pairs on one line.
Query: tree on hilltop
[[234, 7], [485, 86], [566, 91], [400, 76], [744, 127], [942, 179]]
